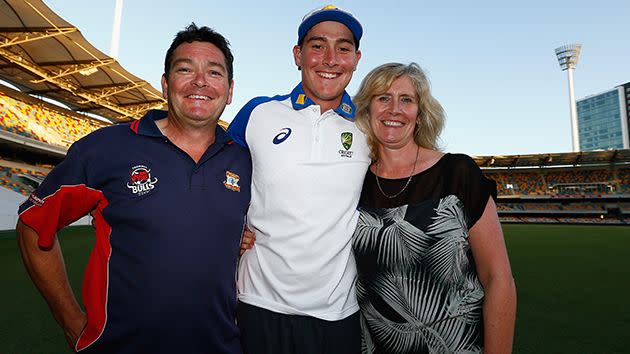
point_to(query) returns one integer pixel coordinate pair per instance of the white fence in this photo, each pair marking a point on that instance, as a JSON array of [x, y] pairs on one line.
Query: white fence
[[9, 203]]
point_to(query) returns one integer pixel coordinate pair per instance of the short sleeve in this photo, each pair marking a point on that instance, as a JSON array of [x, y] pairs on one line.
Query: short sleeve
[[237, 128], [474, 188], [62, 198]]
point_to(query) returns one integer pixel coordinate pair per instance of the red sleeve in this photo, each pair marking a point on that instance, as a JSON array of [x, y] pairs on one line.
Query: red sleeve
[[62, 198], [67, 205]]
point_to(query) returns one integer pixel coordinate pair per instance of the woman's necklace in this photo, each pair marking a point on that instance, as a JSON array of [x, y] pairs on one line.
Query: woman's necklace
[[378, 183]]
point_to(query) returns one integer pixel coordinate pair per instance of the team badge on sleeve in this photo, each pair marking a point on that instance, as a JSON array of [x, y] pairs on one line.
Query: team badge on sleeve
[[36, 200], [231, 181], [141, 181]]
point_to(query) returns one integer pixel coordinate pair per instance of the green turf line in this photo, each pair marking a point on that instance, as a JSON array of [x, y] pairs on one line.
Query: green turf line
[[26, 325]]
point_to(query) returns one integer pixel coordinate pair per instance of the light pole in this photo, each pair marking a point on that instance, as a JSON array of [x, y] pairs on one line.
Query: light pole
[[568, 56], [115, 44]]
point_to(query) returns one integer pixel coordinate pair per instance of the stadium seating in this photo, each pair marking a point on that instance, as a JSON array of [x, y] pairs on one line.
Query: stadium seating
[[20, 180], [550, 207], [518, 183], [623, 176], [564, 220], [561, 182], [575, 195], [41, 123]]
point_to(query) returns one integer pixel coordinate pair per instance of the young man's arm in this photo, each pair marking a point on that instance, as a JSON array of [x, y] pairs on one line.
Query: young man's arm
[[47, 269]]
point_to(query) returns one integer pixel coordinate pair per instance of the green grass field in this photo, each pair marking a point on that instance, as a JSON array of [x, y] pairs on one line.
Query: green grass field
[[573, 284]]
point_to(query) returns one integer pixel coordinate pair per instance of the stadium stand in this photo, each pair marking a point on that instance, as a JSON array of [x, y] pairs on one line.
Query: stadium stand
[[562, 181], [46, 58], [577, 188], [22, 181], [43, 54], [40, 121], [17, 180]]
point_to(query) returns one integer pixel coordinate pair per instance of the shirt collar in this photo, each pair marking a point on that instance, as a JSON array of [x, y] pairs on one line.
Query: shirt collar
[[220, 136], [146, 126], [300, 101]]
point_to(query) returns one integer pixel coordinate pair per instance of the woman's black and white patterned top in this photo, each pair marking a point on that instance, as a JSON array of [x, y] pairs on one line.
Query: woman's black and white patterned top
[[417, 284]]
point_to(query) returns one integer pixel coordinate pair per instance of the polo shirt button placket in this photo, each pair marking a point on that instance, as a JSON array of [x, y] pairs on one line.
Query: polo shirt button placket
[[196, 178], [316, 128]]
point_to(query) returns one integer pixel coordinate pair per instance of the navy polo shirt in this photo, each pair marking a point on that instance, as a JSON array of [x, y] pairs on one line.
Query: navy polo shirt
[[161, 277]]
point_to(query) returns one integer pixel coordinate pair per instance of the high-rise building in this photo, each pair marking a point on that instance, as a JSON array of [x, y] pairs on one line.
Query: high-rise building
[[603, 119]]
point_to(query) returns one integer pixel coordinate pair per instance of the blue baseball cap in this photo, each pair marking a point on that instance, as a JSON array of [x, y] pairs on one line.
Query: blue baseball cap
[[330, 13]]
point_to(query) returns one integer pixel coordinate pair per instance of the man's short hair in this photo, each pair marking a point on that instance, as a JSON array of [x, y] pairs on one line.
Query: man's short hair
[[192, 33]]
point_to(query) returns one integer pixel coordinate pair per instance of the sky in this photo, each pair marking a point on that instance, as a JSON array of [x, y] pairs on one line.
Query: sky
[[491, 63]]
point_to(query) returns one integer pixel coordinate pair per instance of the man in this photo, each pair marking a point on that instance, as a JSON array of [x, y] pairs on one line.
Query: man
[[169, 195], [296, 286]]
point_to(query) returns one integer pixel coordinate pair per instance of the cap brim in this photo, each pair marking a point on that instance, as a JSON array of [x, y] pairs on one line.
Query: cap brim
[[331, 15]]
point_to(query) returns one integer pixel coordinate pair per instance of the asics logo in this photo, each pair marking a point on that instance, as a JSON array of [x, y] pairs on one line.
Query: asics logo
[[282, 136]]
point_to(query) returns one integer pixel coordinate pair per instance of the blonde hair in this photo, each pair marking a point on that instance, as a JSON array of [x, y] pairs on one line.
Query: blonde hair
[[430, 120]]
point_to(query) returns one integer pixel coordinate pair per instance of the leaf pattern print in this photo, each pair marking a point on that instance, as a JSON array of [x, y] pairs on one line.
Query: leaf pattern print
[[390, 237], [417, 287]]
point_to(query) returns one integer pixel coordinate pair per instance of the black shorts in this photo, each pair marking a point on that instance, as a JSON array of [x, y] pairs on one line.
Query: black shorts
[[268, 332]]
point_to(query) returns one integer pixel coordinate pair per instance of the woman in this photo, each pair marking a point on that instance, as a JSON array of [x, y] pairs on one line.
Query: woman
[[433, 271]]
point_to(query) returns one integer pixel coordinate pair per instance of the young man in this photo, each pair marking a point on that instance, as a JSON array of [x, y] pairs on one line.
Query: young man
[[296, 286], [169, 195]]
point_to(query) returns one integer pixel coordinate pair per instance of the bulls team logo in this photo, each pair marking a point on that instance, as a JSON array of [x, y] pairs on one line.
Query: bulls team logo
[[141, 181]]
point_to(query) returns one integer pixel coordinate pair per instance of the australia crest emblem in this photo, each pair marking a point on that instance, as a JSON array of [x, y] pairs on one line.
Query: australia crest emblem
[[346, 143]]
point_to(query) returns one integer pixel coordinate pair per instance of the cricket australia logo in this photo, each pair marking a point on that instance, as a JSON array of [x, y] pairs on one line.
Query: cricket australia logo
[[346, 108], [231, 181], [346, 142], [141, 181]]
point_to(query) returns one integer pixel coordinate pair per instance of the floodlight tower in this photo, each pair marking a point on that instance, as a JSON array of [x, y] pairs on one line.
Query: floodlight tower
[[568, 56], [115, 44]]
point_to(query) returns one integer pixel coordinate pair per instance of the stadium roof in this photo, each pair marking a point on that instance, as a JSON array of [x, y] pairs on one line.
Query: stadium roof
[[44, 55], [556, 159]]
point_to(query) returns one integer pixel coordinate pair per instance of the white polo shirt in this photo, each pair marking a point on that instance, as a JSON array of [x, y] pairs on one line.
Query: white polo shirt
[[308, 170]]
